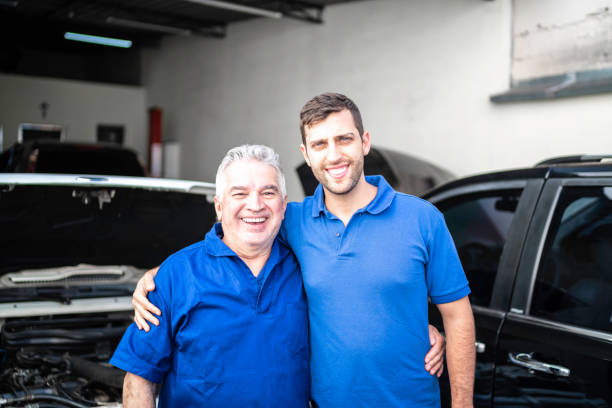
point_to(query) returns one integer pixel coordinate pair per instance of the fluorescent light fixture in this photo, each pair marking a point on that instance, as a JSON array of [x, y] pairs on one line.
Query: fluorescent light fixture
[[147, 26], [94, 39], [9, 3], [239, 7]]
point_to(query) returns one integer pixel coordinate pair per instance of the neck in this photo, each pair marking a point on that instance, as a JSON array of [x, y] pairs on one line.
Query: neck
[[344, 206], [254, 258]]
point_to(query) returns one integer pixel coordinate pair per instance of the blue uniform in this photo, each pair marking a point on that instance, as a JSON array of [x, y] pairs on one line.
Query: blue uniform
[[367, 287], [226, 338]]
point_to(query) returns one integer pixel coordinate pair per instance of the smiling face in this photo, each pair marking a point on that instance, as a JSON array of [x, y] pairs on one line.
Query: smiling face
[[335, 151], [251, 207]]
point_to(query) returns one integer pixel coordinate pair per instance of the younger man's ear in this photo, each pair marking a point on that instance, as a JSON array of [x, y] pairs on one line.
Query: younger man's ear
[[305, 154], [365, 141]]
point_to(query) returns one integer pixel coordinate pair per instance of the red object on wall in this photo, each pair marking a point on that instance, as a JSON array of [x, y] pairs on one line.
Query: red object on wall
[[155, 142]]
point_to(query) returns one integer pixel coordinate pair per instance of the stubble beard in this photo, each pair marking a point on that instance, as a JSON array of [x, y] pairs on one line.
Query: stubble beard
[[354, 177]]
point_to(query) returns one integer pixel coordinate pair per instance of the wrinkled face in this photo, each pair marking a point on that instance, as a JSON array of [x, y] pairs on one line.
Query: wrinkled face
[[335, 151], [252, 207]]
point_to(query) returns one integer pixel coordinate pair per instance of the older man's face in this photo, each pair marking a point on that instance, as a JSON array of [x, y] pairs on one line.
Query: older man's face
[[252, 206]]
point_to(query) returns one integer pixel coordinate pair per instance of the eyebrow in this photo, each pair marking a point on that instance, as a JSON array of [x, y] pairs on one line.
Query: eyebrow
[[335, 136], [266, 187], [271, 187]]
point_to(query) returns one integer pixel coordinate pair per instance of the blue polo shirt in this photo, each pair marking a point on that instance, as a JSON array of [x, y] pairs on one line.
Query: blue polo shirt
[[367, 286], [226, 338]]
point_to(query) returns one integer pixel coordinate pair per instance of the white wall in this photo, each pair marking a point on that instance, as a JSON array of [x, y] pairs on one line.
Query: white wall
[[421, 72], [78, 106]]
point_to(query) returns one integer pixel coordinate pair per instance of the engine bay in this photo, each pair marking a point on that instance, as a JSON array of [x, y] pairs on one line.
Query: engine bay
[[61, 361]]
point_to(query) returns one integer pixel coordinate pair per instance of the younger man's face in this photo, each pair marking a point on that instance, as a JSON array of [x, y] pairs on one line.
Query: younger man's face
[[335, 151]]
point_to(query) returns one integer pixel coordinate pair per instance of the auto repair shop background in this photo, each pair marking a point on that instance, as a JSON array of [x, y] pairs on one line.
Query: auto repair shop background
[[421, 71]]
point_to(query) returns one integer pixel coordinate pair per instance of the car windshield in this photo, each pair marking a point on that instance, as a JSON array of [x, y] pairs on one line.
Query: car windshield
[[55, 226], [84, 160]]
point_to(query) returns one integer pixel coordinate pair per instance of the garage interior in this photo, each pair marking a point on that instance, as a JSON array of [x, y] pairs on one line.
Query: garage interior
[[426, 75], [447, 89]]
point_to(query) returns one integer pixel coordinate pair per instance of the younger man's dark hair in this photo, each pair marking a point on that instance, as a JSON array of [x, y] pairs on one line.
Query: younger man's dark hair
[[321, 106]]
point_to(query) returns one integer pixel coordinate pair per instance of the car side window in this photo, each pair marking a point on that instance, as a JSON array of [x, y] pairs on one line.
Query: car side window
[[479, 224], [574, 281]]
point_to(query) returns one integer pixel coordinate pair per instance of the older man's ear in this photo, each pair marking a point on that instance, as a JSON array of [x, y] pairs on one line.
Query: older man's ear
[[218, 208]]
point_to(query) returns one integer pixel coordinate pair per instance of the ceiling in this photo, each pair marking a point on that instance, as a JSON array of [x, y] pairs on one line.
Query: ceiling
[[33, 43]]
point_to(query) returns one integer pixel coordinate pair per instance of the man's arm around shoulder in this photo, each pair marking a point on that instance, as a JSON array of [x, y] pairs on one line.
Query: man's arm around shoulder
[[460, 349], [138, 392]]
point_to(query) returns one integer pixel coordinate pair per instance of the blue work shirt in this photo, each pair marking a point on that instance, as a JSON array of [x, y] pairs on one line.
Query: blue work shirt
[[224, 340], [367, 286]]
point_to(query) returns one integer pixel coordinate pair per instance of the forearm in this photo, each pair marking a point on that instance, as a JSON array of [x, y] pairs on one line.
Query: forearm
[[138, 392], [460, 350]]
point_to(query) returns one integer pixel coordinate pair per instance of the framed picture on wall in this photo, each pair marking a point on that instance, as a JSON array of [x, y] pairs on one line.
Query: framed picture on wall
[[110, 134], [28, 132], [560, 48]]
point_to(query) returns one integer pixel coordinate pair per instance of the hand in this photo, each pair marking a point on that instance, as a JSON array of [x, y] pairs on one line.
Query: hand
[[434, 359], [143, 309]]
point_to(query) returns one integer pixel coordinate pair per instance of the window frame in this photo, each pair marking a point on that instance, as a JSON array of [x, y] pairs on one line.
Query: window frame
[[531, 257], [508, 261]]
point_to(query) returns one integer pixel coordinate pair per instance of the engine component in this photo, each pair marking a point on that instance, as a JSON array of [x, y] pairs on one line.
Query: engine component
[[61, 362]]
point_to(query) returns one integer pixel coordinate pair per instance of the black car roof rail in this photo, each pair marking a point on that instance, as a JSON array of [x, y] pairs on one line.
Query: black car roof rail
[[580, 158]]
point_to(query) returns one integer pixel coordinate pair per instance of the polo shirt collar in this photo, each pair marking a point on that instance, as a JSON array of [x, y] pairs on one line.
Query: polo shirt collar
[[318, 202], [382, 200], [216, 247]]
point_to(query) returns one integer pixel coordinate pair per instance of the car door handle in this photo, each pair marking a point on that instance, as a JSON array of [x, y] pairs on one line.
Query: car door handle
[[526, 360]]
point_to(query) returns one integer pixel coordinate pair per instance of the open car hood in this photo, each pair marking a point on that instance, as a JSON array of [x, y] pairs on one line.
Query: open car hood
[[66, 231], [71, 251]]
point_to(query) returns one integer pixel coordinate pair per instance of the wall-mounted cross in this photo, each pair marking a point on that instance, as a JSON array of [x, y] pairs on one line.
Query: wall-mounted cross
[[44, 106]]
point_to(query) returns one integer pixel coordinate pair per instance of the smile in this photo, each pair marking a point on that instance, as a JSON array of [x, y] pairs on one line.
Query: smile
[[337, 172], [254, 220]]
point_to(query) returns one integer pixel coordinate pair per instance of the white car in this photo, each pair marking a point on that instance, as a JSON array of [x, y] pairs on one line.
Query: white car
[[71, 251]]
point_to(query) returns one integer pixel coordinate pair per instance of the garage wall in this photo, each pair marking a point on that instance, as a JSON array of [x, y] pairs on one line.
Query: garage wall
[[421, 71], [78, 106]]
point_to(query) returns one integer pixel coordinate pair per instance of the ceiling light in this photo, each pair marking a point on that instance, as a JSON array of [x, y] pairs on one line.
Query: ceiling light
[[147, 26], [9, 3], [239, 7], [94, 39]]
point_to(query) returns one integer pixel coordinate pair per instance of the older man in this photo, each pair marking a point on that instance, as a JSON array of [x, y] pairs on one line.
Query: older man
[[235, 327]]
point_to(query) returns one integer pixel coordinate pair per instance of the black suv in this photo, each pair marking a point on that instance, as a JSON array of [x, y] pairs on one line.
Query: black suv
[[536, 246], [49, 156]]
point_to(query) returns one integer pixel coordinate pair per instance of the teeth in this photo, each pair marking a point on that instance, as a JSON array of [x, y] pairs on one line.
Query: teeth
[[337, 171], [254, 220]]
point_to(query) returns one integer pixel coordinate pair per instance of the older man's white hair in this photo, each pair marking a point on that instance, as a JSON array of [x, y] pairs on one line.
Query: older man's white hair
[[259, 153]]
